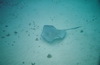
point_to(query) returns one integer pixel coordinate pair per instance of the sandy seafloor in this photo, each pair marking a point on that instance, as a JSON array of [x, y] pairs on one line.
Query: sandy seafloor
[[21, 24]]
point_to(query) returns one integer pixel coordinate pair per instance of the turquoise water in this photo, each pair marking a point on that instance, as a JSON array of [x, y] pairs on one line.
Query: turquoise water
[[21, 25]]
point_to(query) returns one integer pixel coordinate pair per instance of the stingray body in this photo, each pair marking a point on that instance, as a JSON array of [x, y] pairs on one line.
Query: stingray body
[[50, 33]]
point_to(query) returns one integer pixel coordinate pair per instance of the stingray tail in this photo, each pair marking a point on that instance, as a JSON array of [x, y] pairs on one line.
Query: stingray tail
[[73, 28]]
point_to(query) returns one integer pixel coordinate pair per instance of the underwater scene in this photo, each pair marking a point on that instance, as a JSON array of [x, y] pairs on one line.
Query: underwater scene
[[49, 32]]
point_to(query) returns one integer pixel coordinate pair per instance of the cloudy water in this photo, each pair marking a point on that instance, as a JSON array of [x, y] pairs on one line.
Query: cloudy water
[[37, 32]]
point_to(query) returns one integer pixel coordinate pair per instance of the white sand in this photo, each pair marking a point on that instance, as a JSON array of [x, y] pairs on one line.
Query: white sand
[[19, 18]]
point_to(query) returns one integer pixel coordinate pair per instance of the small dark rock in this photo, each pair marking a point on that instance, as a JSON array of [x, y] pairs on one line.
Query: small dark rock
[[92, 19], [77, 63], [3, 30], [29, 24], [49, 56], [13, 41], [39, 46], [6, 25], [81, 31], [23, 62], [28, 34], [15, 32], [36, 39], [33, 28], [26, 31], [8, 35], [12, 44], [86, 20], [32, 63], [2, 37]]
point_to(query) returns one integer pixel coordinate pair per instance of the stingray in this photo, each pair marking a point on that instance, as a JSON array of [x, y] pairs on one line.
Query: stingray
[[50, 33]]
